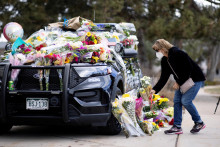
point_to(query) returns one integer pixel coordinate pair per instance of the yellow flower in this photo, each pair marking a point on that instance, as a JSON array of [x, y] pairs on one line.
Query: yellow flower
[[156, 96], [29, 40], [125, 95], [92, 24], [115, 103], [116, 37], [165, 99], [157, 126], [44, 51], [146, 122], [67, 60], [153, 123], [39, 39], [95, 58], [120, 111], [95, 41], [88, 34]]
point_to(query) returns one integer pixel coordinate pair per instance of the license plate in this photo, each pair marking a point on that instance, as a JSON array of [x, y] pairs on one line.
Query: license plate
[[37, 104]]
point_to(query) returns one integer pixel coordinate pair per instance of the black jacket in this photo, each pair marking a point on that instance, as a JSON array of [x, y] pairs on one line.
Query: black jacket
[[183, 66]]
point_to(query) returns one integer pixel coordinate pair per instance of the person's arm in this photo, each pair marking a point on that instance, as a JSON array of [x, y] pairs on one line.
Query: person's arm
[[165, 74]]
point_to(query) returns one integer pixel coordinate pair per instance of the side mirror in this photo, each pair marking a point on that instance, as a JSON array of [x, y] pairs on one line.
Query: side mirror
[[129, 53]]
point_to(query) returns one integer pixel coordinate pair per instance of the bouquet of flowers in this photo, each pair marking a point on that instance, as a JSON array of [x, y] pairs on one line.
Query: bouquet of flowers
[[146, 87], [37, 39], [129, 105], [59, 60], [146, 127], [127, 43], [116, 110], [40, 62], [16, 60], [169, 111], [126, 123], [151, 114], [159, 122], [155, 127], [138, 108], [162, 103], [91, 39], [47, 62]]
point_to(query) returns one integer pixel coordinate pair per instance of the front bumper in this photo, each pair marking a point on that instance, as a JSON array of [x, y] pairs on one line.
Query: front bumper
[[84, 102]]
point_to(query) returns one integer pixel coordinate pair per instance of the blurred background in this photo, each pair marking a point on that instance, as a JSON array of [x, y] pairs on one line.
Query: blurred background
[[192, 25]]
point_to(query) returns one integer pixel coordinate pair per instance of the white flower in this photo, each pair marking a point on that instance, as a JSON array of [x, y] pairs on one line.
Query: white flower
[[133, 37], [21, 57]]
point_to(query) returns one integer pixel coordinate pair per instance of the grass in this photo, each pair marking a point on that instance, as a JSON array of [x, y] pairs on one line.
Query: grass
[[213, 90]]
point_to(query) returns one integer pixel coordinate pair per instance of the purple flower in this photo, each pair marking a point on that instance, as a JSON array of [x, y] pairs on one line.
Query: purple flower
[[69, 46], [82, 47]]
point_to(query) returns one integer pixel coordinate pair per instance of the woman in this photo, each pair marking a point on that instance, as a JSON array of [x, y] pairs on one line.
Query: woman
[[177, 62]]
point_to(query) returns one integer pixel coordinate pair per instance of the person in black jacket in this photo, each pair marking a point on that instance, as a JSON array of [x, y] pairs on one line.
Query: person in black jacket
[[176, 62]]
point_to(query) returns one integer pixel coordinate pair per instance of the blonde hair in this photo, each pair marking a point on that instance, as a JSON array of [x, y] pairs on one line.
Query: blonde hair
[[162, 44]]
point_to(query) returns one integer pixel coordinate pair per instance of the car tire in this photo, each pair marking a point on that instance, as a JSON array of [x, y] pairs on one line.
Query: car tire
[[4, 128], [113, 126]]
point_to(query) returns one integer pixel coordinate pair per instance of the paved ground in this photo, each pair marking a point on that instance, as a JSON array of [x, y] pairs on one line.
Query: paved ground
[[26, 136]]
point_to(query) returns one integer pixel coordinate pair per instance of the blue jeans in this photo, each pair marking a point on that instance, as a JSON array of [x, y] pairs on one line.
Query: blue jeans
[[186, 101]]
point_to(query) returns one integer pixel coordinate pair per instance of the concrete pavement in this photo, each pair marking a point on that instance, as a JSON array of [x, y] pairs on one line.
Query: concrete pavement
[[25, 136], [210, 136]]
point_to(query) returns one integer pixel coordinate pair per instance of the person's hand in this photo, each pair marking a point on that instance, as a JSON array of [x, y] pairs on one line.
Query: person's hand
[[176, 86], [152, 92]]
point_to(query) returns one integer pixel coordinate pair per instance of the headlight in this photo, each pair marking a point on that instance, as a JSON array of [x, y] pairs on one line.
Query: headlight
[[92, 71]]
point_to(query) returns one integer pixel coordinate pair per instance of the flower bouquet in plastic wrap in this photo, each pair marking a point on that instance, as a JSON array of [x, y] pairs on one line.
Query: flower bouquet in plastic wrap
[[127, 119], [146, 127], [138, 108], [146, 87], [47, 62], [40, 62], [151, 114], [169, 112], [59, 60], [160, 102]]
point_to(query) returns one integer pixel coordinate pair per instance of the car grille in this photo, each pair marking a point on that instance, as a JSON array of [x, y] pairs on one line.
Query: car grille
[[75, 79]]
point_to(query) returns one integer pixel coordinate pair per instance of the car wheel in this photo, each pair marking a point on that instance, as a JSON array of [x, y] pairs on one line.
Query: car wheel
[[113, 126], [4, 128]]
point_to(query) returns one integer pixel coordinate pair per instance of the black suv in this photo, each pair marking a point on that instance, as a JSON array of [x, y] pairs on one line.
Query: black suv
[[85, 99]]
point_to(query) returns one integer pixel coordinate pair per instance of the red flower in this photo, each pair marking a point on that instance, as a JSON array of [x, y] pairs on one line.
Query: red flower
[[91, 43], [95, 54], [48, 56], [171, 122], [76, 59], [160, 124], [39, 47], [27, 50]]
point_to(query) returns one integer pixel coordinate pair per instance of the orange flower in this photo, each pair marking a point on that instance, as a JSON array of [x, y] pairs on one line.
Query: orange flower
[[102, 50], [67, 60]]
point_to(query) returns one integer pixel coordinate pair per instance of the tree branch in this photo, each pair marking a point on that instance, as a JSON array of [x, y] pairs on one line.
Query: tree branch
[[214, 2]]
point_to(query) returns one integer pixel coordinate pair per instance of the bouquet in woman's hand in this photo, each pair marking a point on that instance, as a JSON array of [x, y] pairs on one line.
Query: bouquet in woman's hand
[[146, 87]]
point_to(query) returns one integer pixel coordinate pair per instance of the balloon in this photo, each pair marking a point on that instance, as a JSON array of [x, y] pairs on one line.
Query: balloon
[[12, 31]]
